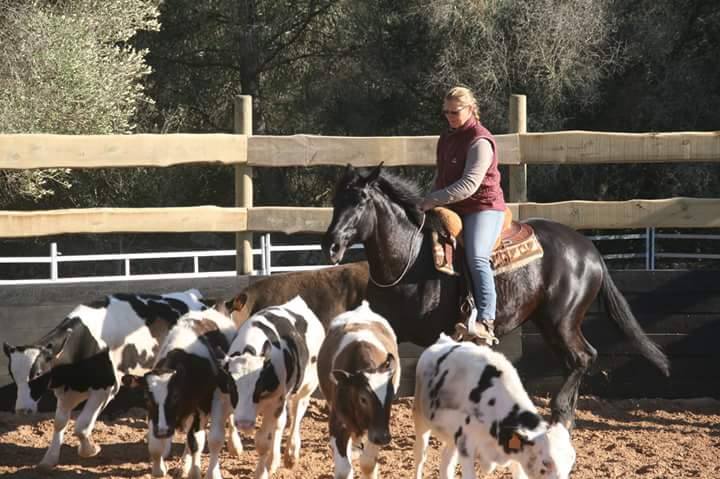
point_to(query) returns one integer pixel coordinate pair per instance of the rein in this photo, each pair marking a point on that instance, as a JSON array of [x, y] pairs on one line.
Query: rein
[[407, 266]]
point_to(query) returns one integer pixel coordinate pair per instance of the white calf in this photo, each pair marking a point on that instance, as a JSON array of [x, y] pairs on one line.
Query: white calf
[[471, 397]]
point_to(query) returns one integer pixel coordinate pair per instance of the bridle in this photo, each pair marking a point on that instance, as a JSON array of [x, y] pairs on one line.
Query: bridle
[[407, 265]]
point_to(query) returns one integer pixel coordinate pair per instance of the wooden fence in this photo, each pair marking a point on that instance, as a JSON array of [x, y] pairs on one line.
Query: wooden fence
[[680, 311], [246, 151]]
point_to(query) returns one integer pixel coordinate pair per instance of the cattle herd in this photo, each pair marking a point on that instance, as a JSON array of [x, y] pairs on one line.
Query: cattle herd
[[207, 371]]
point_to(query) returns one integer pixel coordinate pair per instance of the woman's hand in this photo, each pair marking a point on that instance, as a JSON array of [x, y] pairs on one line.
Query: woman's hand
[[425, 204]]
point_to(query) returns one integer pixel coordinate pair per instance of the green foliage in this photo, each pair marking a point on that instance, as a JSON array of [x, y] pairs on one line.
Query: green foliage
[[557, 53], [66, 67]]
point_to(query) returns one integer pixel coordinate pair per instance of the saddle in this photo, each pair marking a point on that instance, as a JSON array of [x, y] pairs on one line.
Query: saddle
[[516, 246]]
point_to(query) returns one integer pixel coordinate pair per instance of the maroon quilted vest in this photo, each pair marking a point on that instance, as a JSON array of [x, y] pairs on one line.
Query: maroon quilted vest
[[452, 149]]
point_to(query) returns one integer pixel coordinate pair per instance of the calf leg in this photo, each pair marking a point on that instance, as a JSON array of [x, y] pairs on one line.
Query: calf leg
[[85, 423], [517, 471], [422, 438], [221, 410], [66, 402], [368, 460], [234, 442], [158, 448], [267, 442], [277, 434], [196, 443], [448, 461], [194, 427], [298, 406], [342, 446]]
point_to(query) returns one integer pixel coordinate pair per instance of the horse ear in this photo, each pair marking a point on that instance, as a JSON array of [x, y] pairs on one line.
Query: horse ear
[[8, 349], [348, 175], [374, 174]]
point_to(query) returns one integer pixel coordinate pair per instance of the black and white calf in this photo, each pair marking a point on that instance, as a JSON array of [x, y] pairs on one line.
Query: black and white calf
[[185, 389], [273, 365], [471, 397], [86, 355], [359, 376]]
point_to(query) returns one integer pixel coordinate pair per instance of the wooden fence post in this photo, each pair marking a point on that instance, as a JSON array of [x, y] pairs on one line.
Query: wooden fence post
[[242, 124], [512, 343], [518, 173]]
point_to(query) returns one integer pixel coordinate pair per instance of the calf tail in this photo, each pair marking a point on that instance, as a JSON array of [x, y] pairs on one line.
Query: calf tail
[[619, 310]]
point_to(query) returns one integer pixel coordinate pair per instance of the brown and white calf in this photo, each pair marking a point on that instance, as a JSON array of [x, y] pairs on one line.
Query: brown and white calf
[[359, 375], [472, 399], [272, 364], [184, 390], [85, 357]]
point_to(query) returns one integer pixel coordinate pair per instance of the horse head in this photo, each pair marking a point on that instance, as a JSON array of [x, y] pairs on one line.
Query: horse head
[[353, 216]]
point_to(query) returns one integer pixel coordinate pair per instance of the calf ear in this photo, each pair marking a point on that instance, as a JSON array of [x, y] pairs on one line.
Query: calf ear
[[56, 348], [220, 356], [8, 349], [239, 308], [132, 382], [267, 349], [338, 375], [388, 365], [227, 386]]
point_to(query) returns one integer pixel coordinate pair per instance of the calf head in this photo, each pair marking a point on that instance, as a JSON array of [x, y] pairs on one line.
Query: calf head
[[163, 395], [363, 400], [547, 454], [257, 384], [29, 367]]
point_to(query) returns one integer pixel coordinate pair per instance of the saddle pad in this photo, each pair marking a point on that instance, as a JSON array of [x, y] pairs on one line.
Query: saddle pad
[[516, 246], [516, 249]]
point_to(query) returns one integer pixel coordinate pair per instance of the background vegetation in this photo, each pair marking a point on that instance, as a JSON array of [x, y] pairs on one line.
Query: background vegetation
[[344, 67]]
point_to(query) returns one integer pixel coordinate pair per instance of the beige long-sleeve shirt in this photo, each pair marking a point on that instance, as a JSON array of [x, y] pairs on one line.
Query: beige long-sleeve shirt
[[478, 160]]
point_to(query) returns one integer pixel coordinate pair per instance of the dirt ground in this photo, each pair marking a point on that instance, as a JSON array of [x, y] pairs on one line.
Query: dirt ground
[[614, 439]]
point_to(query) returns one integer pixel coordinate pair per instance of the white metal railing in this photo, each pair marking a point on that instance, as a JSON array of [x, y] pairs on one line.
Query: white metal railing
[[267, 249]]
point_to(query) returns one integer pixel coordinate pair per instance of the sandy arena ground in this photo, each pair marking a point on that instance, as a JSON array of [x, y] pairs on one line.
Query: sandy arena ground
[[614, 439]]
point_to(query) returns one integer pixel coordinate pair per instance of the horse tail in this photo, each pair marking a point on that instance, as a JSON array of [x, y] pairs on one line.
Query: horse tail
[[619, 310]]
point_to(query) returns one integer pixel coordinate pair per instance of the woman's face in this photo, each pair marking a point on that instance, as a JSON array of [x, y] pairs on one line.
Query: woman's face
[[456, 113]]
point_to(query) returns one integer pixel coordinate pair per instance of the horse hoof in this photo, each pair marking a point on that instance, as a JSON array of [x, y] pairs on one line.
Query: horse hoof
[[45, 467], [159, 470], [89, 450]]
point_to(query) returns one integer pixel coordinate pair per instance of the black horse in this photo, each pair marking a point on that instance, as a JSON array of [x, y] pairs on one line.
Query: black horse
[[379, 210]]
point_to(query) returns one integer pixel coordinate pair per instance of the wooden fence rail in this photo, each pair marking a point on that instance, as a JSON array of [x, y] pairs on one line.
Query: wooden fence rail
[[668, 213], [566, 147], [246, 151]]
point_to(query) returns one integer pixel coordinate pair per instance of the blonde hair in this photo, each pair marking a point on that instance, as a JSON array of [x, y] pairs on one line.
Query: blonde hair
[[465, 97]]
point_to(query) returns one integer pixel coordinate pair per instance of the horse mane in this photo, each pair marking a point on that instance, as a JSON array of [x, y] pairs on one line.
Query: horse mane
[[403, 191]]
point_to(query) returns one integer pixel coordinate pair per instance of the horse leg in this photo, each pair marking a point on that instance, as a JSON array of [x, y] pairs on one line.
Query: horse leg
[[577, 354]]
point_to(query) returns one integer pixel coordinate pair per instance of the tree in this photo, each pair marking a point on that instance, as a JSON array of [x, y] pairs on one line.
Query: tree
[[557, 53], [67, 67]]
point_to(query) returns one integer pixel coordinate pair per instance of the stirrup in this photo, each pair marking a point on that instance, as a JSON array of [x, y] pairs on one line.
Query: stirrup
[[487, 332], [479, 335]]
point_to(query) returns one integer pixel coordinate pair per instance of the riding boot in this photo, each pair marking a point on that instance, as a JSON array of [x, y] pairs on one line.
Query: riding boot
[[489, 332]]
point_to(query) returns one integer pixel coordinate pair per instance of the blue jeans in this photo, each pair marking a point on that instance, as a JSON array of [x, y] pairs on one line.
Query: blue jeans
[[480, 231]]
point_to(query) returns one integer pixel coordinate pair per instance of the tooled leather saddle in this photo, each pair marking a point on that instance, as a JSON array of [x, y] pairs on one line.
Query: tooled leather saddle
[[516, 246]]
